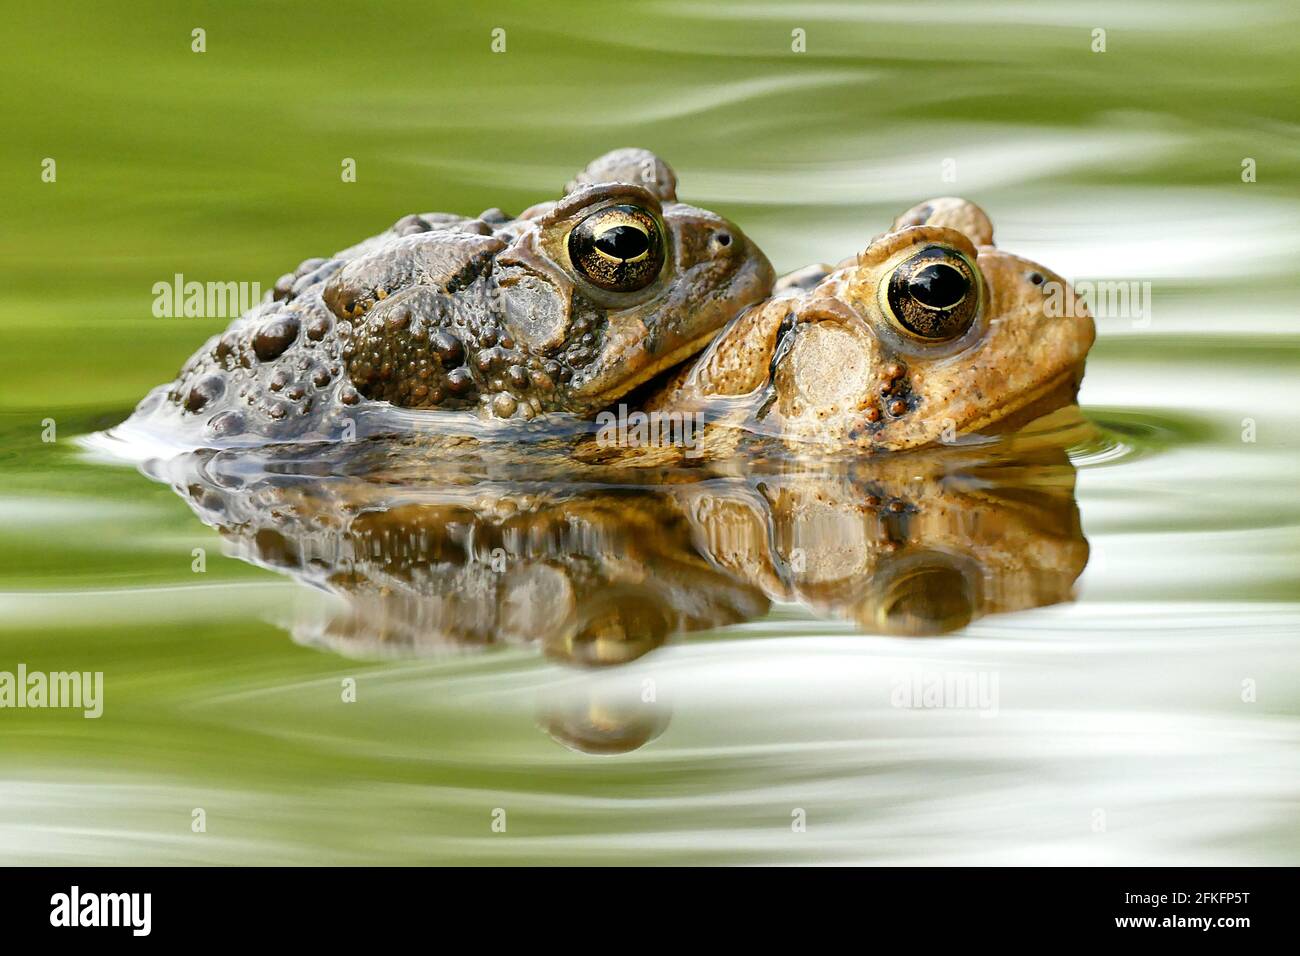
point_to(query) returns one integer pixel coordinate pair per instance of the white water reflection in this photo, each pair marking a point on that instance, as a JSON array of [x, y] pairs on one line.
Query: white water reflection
[[1120, 738], [1154, 720]]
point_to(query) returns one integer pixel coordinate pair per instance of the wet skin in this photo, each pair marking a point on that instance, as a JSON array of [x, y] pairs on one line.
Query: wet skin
[[929, 334], [562, 309]]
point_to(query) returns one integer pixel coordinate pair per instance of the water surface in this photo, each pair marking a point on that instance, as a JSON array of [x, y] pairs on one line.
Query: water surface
[[1147, 716]]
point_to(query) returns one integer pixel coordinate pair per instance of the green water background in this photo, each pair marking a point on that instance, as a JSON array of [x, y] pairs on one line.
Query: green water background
[[225, 166]]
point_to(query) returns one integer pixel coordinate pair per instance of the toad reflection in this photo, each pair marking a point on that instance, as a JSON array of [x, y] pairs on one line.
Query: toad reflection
[[597, 566]]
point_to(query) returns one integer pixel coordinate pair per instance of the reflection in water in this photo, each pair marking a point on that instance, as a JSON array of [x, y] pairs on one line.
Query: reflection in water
[[598, 565], [603, 717]]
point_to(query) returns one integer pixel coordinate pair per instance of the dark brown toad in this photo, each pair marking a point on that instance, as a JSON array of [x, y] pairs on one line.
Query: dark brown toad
[[561, 309]]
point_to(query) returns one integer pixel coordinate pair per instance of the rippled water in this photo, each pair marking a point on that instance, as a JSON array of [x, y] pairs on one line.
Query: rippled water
[[1150, 719]]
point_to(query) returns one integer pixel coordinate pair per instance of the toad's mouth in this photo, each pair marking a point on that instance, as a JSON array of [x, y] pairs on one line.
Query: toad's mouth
[[654, 367], [1052, 393]]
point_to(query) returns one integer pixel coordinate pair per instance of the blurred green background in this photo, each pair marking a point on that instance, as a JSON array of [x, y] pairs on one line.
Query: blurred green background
[[225, 166]]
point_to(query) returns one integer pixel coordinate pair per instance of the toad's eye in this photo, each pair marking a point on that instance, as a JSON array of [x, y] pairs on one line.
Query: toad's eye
[[618, 248], [935, 295]]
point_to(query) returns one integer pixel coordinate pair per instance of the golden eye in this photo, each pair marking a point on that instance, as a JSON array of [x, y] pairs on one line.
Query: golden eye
[[618, 248], [935, 295]]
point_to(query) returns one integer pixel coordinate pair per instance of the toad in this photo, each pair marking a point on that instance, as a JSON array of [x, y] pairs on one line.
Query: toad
[[563, 308], [929, 334]]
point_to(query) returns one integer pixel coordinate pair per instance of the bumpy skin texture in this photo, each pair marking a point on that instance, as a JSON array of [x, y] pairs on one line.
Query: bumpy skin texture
[[824, 363], [487, 314]]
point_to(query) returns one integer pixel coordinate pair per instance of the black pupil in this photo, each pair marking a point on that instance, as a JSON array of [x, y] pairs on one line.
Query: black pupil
[[622, 242], [938, 286]]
